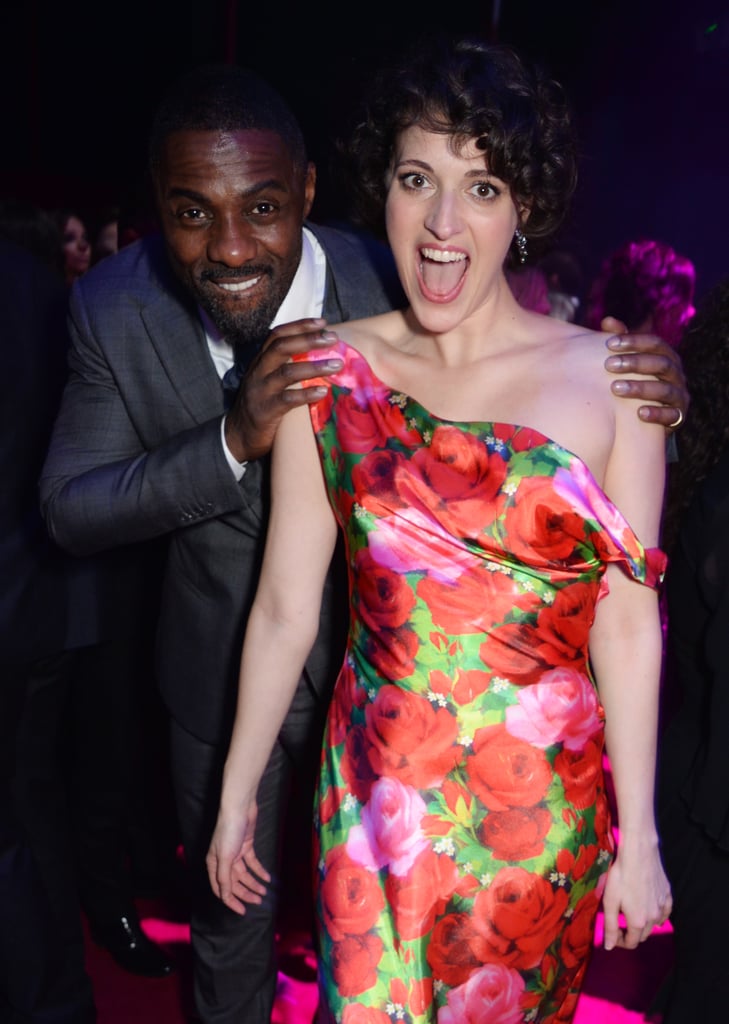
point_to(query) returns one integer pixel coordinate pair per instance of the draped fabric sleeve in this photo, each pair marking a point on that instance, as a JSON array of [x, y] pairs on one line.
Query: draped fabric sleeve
[[613, 536]]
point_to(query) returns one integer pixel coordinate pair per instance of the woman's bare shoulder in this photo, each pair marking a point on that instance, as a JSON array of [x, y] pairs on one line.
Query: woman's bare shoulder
[[371, 333]]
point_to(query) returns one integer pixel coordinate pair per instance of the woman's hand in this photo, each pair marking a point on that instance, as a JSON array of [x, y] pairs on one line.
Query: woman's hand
[[638, 888], [236, 875]]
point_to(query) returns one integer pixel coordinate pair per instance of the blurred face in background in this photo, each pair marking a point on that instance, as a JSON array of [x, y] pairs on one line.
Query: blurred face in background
[[76, 249]]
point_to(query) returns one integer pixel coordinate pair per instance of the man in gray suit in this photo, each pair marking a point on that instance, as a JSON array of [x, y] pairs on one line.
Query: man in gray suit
[[143, 447], [140, 448]]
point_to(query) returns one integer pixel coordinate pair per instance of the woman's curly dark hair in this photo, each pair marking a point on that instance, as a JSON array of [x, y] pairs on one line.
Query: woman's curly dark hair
[[469, 89], [704, 351]]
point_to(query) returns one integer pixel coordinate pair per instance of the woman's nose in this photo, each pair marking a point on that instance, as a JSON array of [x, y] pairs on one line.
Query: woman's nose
[[443, 218]]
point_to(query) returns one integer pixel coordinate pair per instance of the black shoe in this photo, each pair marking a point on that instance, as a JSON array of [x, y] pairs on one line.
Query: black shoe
[[124, 939]]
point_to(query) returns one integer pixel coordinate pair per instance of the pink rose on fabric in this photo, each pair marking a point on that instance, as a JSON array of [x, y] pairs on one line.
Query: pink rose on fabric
[[561, 708], [390, 833], [411, 541], [492, 995], [577, 486]]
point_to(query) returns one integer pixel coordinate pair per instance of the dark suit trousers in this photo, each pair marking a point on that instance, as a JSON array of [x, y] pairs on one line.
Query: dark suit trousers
[[234, 957]]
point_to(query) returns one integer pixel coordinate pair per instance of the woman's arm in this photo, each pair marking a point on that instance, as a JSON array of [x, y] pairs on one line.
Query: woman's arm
[[625, 649], [281, 630]]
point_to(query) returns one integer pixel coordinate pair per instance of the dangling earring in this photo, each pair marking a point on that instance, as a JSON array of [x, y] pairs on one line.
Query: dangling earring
[[521, 244]]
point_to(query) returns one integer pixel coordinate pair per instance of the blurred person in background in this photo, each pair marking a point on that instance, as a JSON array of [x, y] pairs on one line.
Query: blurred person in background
[[693, 763], [648, 286], [75, 244]]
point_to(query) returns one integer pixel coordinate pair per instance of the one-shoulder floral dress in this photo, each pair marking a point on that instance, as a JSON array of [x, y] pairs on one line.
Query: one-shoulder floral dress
[[462, 829]]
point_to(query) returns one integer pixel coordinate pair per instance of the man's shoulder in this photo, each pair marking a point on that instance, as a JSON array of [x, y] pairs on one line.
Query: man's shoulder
[[139, 270], [349, 243], [362, 267]]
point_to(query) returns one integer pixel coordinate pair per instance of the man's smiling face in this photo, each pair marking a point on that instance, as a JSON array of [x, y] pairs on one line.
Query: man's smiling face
[[232, 205]]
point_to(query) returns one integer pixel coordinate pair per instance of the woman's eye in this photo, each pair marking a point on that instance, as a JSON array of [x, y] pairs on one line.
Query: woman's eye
[[414, 180], [485, 190]]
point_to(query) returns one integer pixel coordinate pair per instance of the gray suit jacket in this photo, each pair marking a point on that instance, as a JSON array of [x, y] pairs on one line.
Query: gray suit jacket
[[136, 454]]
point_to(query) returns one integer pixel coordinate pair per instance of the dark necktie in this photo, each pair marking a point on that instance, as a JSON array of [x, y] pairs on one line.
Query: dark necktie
[[243, 356]]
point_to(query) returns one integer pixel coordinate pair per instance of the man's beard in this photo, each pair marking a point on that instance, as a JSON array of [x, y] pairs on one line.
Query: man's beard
[[251, 325]]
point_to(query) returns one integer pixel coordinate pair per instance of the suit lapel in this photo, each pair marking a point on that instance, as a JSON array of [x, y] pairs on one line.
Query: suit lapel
[[176, 333]]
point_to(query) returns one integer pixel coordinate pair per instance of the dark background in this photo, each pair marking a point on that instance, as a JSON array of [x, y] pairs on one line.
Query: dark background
[[649, 83]]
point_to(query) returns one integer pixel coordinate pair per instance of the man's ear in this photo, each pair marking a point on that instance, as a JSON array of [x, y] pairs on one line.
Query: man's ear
[[309, 188]]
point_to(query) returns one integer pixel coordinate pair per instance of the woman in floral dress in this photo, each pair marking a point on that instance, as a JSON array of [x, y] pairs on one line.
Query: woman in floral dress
[[500, 513]]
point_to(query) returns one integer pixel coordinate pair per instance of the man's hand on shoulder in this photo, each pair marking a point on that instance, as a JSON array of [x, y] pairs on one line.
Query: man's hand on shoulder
[[650, 355], [274, 384]]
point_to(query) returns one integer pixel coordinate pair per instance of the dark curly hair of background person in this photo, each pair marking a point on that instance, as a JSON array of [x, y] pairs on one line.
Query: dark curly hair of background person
[[704, 351]]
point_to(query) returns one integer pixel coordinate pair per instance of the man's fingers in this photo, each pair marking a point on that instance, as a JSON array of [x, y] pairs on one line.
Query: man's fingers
[[644, 363], [648, 391], [612, 325], [297, 336], [664, 415]]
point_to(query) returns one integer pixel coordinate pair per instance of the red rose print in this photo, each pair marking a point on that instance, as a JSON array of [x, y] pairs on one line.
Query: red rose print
[[470, 683], [455, 949], [580, 772], [398, 991], [421, 995], [578, 935], [505, 772], [509, 651], [354, 963], [540, 522], [339, 722], [410, 739], [566, 622], [474, 601], [373, 480], [457, 476], [355, 1013], [330, 803], [357, 430], [456, 796], [392, 652], [355, 765], [517, 834], [384, 598], [585, 859], [365, 419], [351, 896], [521, 439], [603, 822], [421, 894], [519, 915], [320, 411], [522, 653]]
